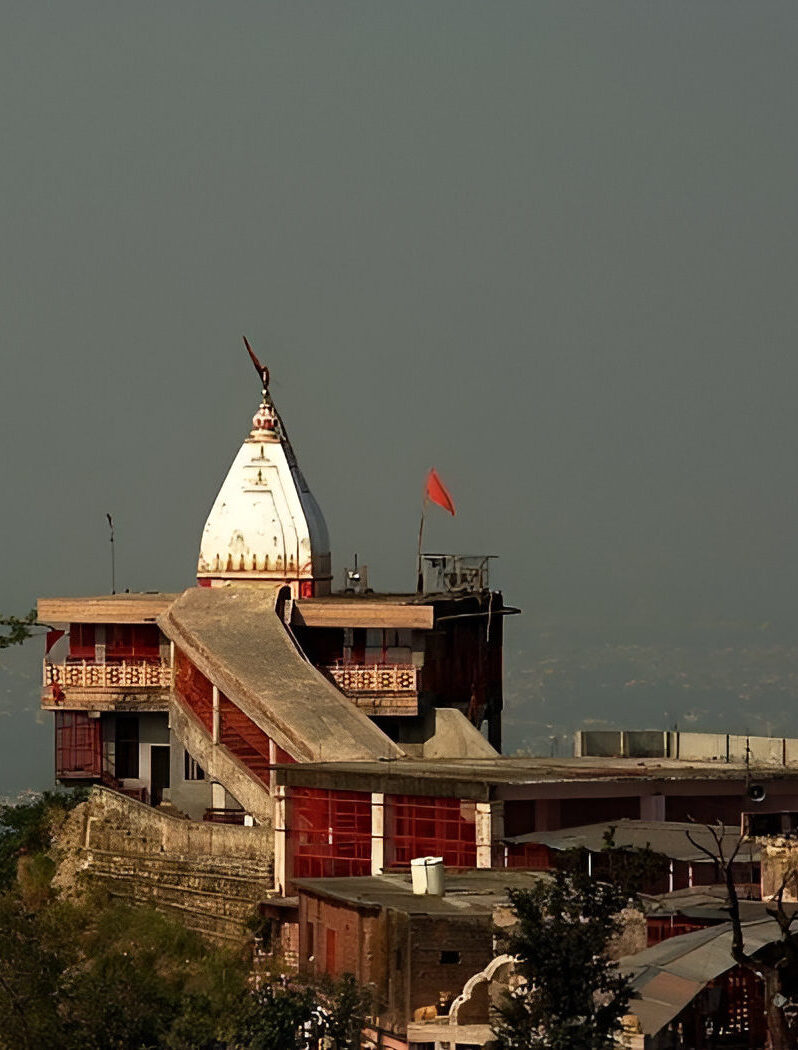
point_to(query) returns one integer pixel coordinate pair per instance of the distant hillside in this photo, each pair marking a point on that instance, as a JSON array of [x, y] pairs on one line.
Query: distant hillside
[[728, 677]]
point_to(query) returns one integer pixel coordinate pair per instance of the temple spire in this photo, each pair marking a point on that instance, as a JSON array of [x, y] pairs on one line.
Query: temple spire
[[265, 524]]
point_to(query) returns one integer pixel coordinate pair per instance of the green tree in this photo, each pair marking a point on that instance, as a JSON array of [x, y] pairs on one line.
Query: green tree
[[633, 869], [19, 628], [27, 827], [91, 974], [346, 1005], [571, 996], [30, 972], [278, 1018]]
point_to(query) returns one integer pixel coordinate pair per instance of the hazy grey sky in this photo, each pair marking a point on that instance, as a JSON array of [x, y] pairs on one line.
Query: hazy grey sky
[[549, 248]]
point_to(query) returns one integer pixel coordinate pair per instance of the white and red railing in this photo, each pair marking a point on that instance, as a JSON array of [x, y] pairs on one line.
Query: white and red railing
[[127, 674], [375, 679]]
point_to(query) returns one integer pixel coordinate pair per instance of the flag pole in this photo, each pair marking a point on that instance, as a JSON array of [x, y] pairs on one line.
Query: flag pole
[[419, 574]]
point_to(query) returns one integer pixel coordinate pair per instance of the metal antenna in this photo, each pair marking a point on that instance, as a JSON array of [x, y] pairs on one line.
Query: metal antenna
[[113, 556]]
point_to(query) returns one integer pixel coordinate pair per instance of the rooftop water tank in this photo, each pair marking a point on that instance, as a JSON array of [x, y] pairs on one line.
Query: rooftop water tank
[[427, 875]]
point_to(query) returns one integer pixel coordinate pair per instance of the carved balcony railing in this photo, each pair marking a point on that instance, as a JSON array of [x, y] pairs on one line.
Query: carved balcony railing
[[377, 689], [127, 674], [358, 680]]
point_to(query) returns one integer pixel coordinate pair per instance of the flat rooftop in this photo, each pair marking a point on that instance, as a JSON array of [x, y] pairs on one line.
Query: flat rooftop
[[471, 892], [475, 778], [413, 611]]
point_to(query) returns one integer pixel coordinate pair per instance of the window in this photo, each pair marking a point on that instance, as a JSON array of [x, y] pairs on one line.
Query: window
[[192, 770], [127, 747], [450, 958], [78, 745], [81, 641]]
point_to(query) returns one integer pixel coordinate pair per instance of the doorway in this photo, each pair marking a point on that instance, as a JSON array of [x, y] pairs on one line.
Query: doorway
[[159, 772]]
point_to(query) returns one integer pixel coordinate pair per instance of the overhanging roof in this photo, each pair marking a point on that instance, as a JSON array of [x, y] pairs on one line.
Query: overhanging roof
[[503, 775], [666, 978]]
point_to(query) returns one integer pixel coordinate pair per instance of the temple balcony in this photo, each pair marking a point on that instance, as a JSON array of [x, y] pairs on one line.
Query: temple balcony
[[85, 685], [378, 689]]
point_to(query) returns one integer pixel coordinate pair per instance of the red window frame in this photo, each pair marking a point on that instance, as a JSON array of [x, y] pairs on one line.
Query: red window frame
[[430, 826], [331, 832]]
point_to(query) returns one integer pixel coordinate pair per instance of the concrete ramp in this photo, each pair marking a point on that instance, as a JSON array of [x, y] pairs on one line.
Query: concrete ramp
[[456, 737], [235, 638]]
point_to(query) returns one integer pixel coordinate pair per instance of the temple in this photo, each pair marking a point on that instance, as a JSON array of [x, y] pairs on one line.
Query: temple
[[195, 699]]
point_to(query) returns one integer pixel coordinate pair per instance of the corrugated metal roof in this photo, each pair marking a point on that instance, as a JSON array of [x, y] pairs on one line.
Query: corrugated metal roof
[[668, 976], [666, 837]]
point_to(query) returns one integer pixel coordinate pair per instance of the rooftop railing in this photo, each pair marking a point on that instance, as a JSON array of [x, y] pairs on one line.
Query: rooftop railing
[[455, 573]]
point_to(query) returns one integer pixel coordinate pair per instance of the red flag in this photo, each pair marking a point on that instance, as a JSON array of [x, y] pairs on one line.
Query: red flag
[[437, 492]]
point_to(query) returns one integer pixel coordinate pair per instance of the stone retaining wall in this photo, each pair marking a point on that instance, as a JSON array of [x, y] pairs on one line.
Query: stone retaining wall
[[211, 876]]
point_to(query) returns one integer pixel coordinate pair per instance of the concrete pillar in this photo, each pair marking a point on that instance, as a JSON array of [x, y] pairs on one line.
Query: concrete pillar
[[388, 832], [272, 762], [377, 833], [547, 814], [283, 846], [489, 831], [652, 807], [217, 718], [217, 796]]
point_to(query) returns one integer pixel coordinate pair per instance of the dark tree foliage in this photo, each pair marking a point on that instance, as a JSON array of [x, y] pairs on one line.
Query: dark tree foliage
[[572, 996], [280, 1017], [19, 629], [277, 1018], [632, 869], [98, 975], [346, 1006], [30, 969], [27, 827]]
